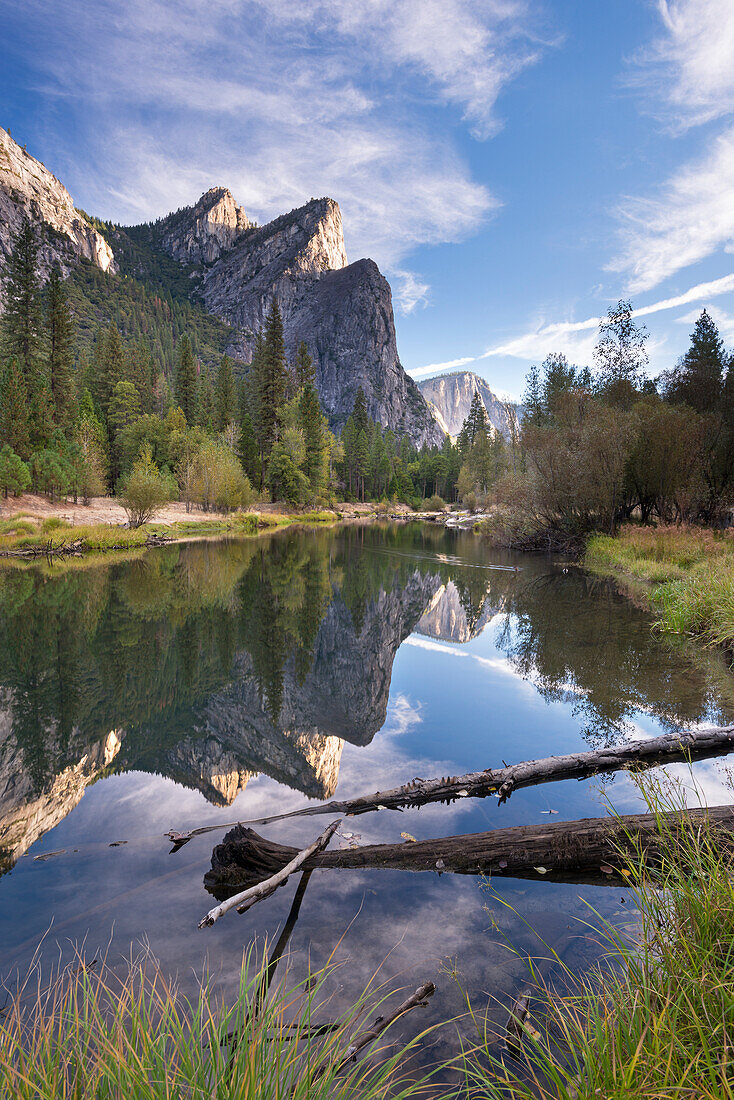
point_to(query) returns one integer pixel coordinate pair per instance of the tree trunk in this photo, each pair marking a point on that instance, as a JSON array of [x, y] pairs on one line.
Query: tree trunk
[[594, 850]]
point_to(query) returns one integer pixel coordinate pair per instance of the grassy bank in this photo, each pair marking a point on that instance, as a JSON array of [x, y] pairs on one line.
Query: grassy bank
[[655, 1021], [685, 573], [93, 1032], [26, 532]]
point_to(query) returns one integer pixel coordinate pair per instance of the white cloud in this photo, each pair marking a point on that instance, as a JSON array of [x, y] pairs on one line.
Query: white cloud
[[576, 339], [281, 102], [691, 66], [408, 290], [691, 218]]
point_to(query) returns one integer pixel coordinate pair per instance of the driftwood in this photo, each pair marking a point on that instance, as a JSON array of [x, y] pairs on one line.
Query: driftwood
[[380, 1024], [48, 549], [501, 782], [263, 889], [593, 850]]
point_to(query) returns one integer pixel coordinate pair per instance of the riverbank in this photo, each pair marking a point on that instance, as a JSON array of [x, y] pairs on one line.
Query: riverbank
[[685, 574], [36, 525], [654, 1020]]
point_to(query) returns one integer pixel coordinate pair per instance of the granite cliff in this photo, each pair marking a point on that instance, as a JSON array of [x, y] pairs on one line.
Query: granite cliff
[[450, 397], [343, 311], [29, 190]]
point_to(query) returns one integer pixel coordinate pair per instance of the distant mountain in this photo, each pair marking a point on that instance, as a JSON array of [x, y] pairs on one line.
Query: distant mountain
[[450, 397], [213, 257]]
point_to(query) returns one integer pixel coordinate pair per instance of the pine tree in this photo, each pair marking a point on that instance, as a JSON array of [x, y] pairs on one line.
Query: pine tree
[[60, 350], [111, 367], [363, 460], [42, 418], [225, 396], [206, 404], [304, 368], [359, 413], [532, 398], [248, 450], [621, 354], [22, 319], [140, 373], [272, 380], [698, 378], [349, 443], [476, 422], [15, 426], [186, 381]]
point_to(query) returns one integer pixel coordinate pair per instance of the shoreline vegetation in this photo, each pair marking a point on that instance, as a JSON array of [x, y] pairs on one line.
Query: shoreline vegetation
[[28, 532], [684, 574]]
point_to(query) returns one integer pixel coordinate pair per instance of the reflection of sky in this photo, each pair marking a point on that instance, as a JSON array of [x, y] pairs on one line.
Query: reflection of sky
[[453, 708]]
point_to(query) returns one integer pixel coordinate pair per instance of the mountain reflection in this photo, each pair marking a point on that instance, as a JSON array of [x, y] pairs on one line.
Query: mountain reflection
[[212, 662]]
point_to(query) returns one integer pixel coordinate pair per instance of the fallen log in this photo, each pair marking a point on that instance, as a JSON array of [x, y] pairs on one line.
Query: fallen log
[[593, 850], [263, 889], [501, 782]]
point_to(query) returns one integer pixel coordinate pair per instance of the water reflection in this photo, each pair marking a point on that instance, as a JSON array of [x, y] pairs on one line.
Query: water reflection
[[214, 662]]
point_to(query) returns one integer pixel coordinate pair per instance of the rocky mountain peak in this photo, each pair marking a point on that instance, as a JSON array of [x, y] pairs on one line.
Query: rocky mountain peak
[[29, 190], [450, 397], [203, 232]]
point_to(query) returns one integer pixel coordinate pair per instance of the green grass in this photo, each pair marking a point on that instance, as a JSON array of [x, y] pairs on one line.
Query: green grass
[[98, 1034], [688, 573], [655, 1022]]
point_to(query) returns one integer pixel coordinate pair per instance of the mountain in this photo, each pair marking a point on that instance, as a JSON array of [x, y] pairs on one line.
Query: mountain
[[29, 190], [343, 311], [211, 258], [450, 397]]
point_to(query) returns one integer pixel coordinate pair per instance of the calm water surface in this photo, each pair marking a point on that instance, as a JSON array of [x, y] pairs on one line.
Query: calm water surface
[[213, 682]]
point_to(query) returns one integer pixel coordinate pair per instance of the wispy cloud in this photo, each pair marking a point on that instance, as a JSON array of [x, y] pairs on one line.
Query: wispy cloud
[[691, 217], [689, 67], [576, 339], [281, 101], [408, 289]]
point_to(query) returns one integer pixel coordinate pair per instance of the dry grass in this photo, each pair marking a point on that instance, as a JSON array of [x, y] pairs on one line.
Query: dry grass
[[689, 570]]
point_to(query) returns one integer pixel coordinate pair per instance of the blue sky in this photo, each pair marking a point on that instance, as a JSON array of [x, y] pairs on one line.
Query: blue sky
[[514, 166]]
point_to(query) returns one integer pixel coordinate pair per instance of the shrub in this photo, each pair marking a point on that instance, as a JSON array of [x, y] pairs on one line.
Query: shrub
[[146, 490], [434, 504], [54, 523]]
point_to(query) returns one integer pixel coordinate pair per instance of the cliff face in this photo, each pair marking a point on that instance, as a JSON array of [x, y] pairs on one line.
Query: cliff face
[[29, 807], [343, 311], [446, 617], [29, 190], [450, 396], [201, 233]]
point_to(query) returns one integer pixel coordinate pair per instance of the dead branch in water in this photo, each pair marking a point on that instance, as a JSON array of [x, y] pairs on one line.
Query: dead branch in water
[[635, 756], [245, 900], [593, 850], [418, 999]]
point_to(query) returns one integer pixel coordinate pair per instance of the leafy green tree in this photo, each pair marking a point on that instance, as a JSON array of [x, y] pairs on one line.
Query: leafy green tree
[[285, 479], [60, 344], [22, 320], [304, 368], [15, 477], [15, 427], [124, 410], [186, 386], [621, 354], [362, 461], [145, 490], [225, 396]]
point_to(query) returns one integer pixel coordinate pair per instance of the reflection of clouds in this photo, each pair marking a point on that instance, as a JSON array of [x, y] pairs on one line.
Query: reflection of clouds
[[496, 664], [707, 782], [402, 715]]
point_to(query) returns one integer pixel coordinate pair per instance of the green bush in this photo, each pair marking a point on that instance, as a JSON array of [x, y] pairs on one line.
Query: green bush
[[146, 490], [15, 477], [54, 523]]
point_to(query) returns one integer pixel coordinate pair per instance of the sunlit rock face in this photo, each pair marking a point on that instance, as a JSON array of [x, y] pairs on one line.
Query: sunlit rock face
[[450, 397], [343, 311], [201, 233], [446, 617], [29, 190], [31, 802]]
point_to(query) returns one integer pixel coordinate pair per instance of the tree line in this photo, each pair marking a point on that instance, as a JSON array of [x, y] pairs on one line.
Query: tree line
[[601, 446], [123, 417]]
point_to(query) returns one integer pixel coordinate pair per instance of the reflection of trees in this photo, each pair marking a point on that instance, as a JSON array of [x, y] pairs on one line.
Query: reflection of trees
[[580, 641]]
